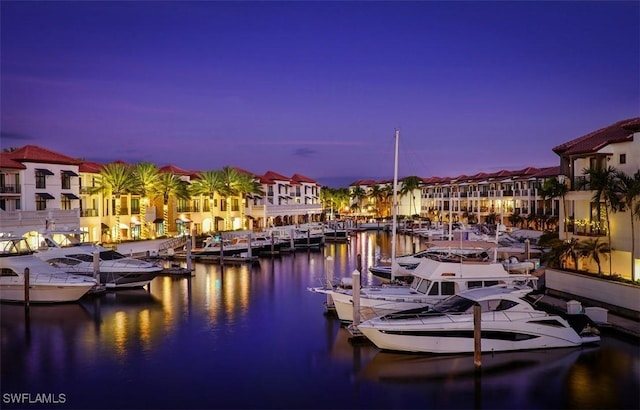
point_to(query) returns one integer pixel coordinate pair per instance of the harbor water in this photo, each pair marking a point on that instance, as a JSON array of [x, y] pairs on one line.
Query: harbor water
[[253, 337]]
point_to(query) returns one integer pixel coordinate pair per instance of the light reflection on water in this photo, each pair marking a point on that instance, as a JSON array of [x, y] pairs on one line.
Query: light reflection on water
[[253, 337]]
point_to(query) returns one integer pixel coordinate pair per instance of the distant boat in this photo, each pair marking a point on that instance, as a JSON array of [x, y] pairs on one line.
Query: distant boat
[[238, 246], [304, 237], [47, 284]]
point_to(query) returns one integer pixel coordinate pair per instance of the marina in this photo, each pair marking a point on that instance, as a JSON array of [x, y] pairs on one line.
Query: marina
[[253, 336]]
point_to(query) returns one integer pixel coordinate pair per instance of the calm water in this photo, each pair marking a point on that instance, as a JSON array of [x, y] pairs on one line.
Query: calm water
[[254, 337]]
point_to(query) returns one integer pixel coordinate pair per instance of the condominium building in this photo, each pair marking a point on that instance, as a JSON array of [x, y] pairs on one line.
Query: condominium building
[[616, 147], [40, 188]]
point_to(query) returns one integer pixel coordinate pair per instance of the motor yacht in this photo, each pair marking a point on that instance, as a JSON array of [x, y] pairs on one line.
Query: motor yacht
[[67, 249], [433, 281], [47, 284], [508, 322]]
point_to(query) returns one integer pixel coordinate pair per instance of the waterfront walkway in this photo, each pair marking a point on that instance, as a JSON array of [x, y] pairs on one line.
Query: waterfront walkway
[[616, 323]]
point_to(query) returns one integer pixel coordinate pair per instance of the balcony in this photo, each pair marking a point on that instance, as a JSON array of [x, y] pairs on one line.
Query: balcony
[[10, 189], [88, 212], [581, 183]]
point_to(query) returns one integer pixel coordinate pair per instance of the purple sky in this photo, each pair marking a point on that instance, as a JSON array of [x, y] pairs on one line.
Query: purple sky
[[317, 88]]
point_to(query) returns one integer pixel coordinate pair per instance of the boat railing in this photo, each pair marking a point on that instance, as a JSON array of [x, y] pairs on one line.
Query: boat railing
[[57, 277], [489, 316]]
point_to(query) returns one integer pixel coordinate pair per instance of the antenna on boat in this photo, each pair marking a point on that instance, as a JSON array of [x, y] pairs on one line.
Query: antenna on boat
[[395, 206]]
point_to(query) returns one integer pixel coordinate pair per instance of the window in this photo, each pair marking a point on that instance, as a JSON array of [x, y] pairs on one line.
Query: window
[[135, 206], [223, 205], [448, 288], [235, 204], [41, 180], [65, 180], [41, 203], [65, 202], [623, 159]]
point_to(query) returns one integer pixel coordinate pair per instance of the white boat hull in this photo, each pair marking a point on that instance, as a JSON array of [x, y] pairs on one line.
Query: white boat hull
[[44, 293], [370, 307], [497, 336]]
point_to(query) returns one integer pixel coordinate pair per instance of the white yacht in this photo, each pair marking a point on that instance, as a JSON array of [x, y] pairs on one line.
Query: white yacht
[[47, 284], [433, 280], [68, 250], [508, 323]]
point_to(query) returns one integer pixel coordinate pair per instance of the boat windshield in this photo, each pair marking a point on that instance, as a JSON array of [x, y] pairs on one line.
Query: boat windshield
[[453, 304], [111, 255]]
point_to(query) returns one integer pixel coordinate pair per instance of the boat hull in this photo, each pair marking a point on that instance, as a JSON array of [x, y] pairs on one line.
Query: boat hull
[[371, 307], [496, 337], [44, 293]]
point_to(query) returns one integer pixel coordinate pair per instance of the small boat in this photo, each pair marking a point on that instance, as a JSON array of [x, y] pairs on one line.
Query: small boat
[[47, 284], [508, 322], [308, 237], [238, 246], [68, 250], [336, 233]]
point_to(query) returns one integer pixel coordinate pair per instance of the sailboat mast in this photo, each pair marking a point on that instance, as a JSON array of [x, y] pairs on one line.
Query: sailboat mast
[[395, 205]]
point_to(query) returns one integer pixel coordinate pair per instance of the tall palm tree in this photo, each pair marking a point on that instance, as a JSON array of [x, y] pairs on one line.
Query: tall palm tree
[[147, 178], [378, 196], [409, 186], [115, 180], [357, 195], [207, 184], [247, 185], [553, 188], [342, 198], [602, 181], [230, 180], [592, 249], [387, 192], [629, 189], [170, 185]]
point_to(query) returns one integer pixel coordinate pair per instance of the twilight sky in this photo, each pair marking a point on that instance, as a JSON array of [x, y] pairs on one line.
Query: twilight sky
[[317, 88]]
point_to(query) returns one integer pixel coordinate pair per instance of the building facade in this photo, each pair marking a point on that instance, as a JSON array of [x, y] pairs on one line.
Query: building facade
[[41, 189]]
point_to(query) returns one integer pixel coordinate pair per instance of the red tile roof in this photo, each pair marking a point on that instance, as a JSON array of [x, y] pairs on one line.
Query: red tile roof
[[547, 172], [34, 153], [177, 171], [7, 162], [90, 167], [302, 178], [621, 131], [274, 176]]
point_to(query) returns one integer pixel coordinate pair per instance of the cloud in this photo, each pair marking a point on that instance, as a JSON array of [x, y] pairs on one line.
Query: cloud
[[14, 136], [304, 152]]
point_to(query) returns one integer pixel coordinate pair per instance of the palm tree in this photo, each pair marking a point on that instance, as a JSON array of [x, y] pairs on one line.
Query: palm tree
[[230, 181], [147, 178], [378, 196], [592, 249], [387, 191], [560, 251], [115, 179], [629, 188], [170, 185], [516, 219], [357, 195], [603, 182], [409, 186], [553, 188], [341, 197], [207, 184], [247, 185]]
